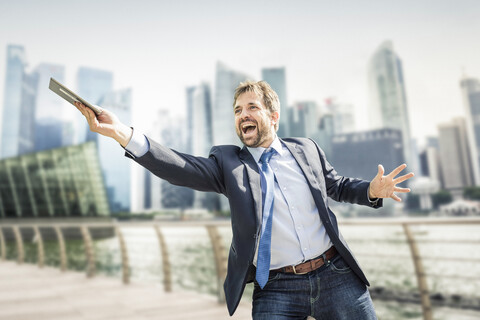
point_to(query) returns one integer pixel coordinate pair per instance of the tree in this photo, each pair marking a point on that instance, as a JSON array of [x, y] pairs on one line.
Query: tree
[[472, 193], [441, 197], [413, 202]]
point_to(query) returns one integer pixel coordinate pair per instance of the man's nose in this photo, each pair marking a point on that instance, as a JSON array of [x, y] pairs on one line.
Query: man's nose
[[244, 113]]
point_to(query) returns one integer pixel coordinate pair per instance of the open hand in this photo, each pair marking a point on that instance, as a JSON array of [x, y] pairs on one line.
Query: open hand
[[385, 186]]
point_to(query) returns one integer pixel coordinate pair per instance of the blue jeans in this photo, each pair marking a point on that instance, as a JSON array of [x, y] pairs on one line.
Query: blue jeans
[[331, 292]]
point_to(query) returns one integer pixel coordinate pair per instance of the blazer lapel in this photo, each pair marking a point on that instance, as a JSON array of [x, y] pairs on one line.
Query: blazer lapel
[[254, 181], [303, 163]]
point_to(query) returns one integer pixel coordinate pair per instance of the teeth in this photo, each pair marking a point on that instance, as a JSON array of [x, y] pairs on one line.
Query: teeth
[[247, 125]]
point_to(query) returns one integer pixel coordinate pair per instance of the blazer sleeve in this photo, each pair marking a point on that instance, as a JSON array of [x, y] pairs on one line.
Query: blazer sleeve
[[345, 189], [199, 173]]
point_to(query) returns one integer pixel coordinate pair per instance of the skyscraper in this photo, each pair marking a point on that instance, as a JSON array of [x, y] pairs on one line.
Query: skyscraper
[[168, 131], [226, 81], [388, 106], [49, 111], [471, 99], [304, 119], [342, 115], [27, 133], [115, 167], [92, 85], [201, 139], [455, 155], [12, 104], [277, 80]]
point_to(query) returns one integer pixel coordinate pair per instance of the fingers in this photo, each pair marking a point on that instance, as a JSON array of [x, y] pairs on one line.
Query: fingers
[[402, 190], [80, 107], [89, 115], [403, 178], [396, 198], [397, 170]]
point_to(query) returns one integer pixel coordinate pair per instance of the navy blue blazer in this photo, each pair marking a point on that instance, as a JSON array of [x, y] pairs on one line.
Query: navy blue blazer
[[232, 171]]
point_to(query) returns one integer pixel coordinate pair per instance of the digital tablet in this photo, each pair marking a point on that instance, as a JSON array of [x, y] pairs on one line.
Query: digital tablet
[[70, 96]]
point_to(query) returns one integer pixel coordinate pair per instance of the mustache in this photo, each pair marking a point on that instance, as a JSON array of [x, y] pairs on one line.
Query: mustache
[[247, 120]]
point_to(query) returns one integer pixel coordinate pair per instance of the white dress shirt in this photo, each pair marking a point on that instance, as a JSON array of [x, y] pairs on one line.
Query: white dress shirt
[[298, 234]]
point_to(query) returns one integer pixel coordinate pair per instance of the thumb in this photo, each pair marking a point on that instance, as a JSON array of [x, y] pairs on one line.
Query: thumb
[[381, 171]]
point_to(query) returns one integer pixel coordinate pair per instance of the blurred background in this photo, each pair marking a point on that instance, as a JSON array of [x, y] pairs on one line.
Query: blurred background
[[372, 82]]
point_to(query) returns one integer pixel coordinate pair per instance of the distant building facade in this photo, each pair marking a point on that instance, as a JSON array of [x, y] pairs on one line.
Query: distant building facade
[[64, 182], [388, 102], [19, 100], [201, 139], [116, 168], [342, 115], [304, 119], [457, 166], [430, 164], [51, 129], [471, 99], [92, 85], [226, 81], [358, 154], [276, 78]]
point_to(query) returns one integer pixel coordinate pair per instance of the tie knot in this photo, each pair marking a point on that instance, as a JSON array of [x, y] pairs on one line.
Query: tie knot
[[267, 155]]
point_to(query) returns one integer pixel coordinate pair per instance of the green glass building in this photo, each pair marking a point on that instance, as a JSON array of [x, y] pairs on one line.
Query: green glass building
[[63, 182]]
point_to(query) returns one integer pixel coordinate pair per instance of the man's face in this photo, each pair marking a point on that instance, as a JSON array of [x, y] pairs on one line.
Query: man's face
[[253, 122]]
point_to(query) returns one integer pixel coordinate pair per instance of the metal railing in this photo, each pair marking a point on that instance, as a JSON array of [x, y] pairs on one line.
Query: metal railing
[[217, 244]]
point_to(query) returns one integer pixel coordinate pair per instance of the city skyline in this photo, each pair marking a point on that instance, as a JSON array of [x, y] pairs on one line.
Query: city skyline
[[159, 49]]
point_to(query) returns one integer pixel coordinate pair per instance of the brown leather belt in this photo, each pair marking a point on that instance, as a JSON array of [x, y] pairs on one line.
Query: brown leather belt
[[309, 265]]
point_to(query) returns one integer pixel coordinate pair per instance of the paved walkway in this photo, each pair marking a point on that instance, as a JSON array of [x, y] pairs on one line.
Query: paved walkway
[[27, 293]]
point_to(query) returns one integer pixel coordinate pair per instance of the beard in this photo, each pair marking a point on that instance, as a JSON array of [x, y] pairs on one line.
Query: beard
[[263, 133]]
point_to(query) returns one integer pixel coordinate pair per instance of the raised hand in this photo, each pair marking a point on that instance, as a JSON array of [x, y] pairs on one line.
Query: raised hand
[[107, 124], [385, 186]]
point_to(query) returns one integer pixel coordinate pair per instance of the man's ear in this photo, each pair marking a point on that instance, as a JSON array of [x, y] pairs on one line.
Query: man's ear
[[275, 117]]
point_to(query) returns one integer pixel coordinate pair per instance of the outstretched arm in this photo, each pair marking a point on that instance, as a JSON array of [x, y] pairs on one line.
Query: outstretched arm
[[385, 186], [106, 124]]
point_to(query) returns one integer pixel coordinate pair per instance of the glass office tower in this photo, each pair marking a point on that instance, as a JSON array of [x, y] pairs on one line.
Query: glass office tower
[[92, 85], [115, 167], [275, 77], [388, 107], [12, 104]]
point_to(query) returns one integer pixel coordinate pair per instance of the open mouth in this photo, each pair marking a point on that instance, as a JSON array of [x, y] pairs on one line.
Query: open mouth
[[248, 128]]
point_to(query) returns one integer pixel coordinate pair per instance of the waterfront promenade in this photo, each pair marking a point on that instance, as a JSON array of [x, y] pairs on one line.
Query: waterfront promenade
[[152, 264], [28, 292]]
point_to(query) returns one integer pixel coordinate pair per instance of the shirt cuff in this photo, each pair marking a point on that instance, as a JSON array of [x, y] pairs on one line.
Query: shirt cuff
[[138, 144], [373, 202]]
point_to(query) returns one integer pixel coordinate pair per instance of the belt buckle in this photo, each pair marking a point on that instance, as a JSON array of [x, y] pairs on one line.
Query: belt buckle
[[295, 271]]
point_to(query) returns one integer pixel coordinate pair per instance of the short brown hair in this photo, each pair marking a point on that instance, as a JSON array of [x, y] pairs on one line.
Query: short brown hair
[[263, 90]]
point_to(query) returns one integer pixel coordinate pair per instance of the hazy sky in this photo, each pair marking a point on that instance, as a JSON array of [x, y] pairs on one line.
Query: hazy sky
[[160, 47]]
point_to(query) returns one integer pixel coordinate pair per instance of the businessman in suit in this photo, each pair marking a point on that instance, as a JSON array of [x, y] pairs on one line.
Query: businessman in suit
[[285, 237]]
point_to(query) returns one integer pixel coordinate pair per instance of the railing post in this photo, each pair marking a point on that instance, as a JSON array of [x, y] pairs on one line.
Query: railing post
[[220, 259], [167, 269], [124, 253], [40, 251], [19, 241], [61, 249], [3, 249], [420, 273], [89, 253]]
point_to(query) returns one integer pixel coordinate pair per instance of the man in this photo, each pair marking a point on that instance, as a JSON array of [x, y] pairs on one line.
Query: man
[[285, 238]]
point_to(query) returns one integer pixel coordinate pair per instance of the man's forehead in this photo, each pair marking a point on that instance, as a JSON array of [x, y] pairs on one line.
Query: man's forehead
[[247, 98]]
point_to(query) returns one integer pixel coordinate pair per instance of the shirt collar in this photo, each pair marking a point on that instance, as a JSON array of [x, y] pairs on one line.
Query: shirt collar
[[257, 152]]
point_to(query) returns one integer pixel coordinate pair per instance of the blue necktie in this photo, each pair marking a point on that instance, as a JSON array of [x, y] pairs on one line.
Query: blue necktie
[[263, 258]]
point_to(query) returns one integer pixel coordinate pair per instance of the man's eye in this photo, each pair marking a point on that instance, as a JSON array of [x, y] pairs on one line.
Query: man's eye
[[236, 110], [253, 107]]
